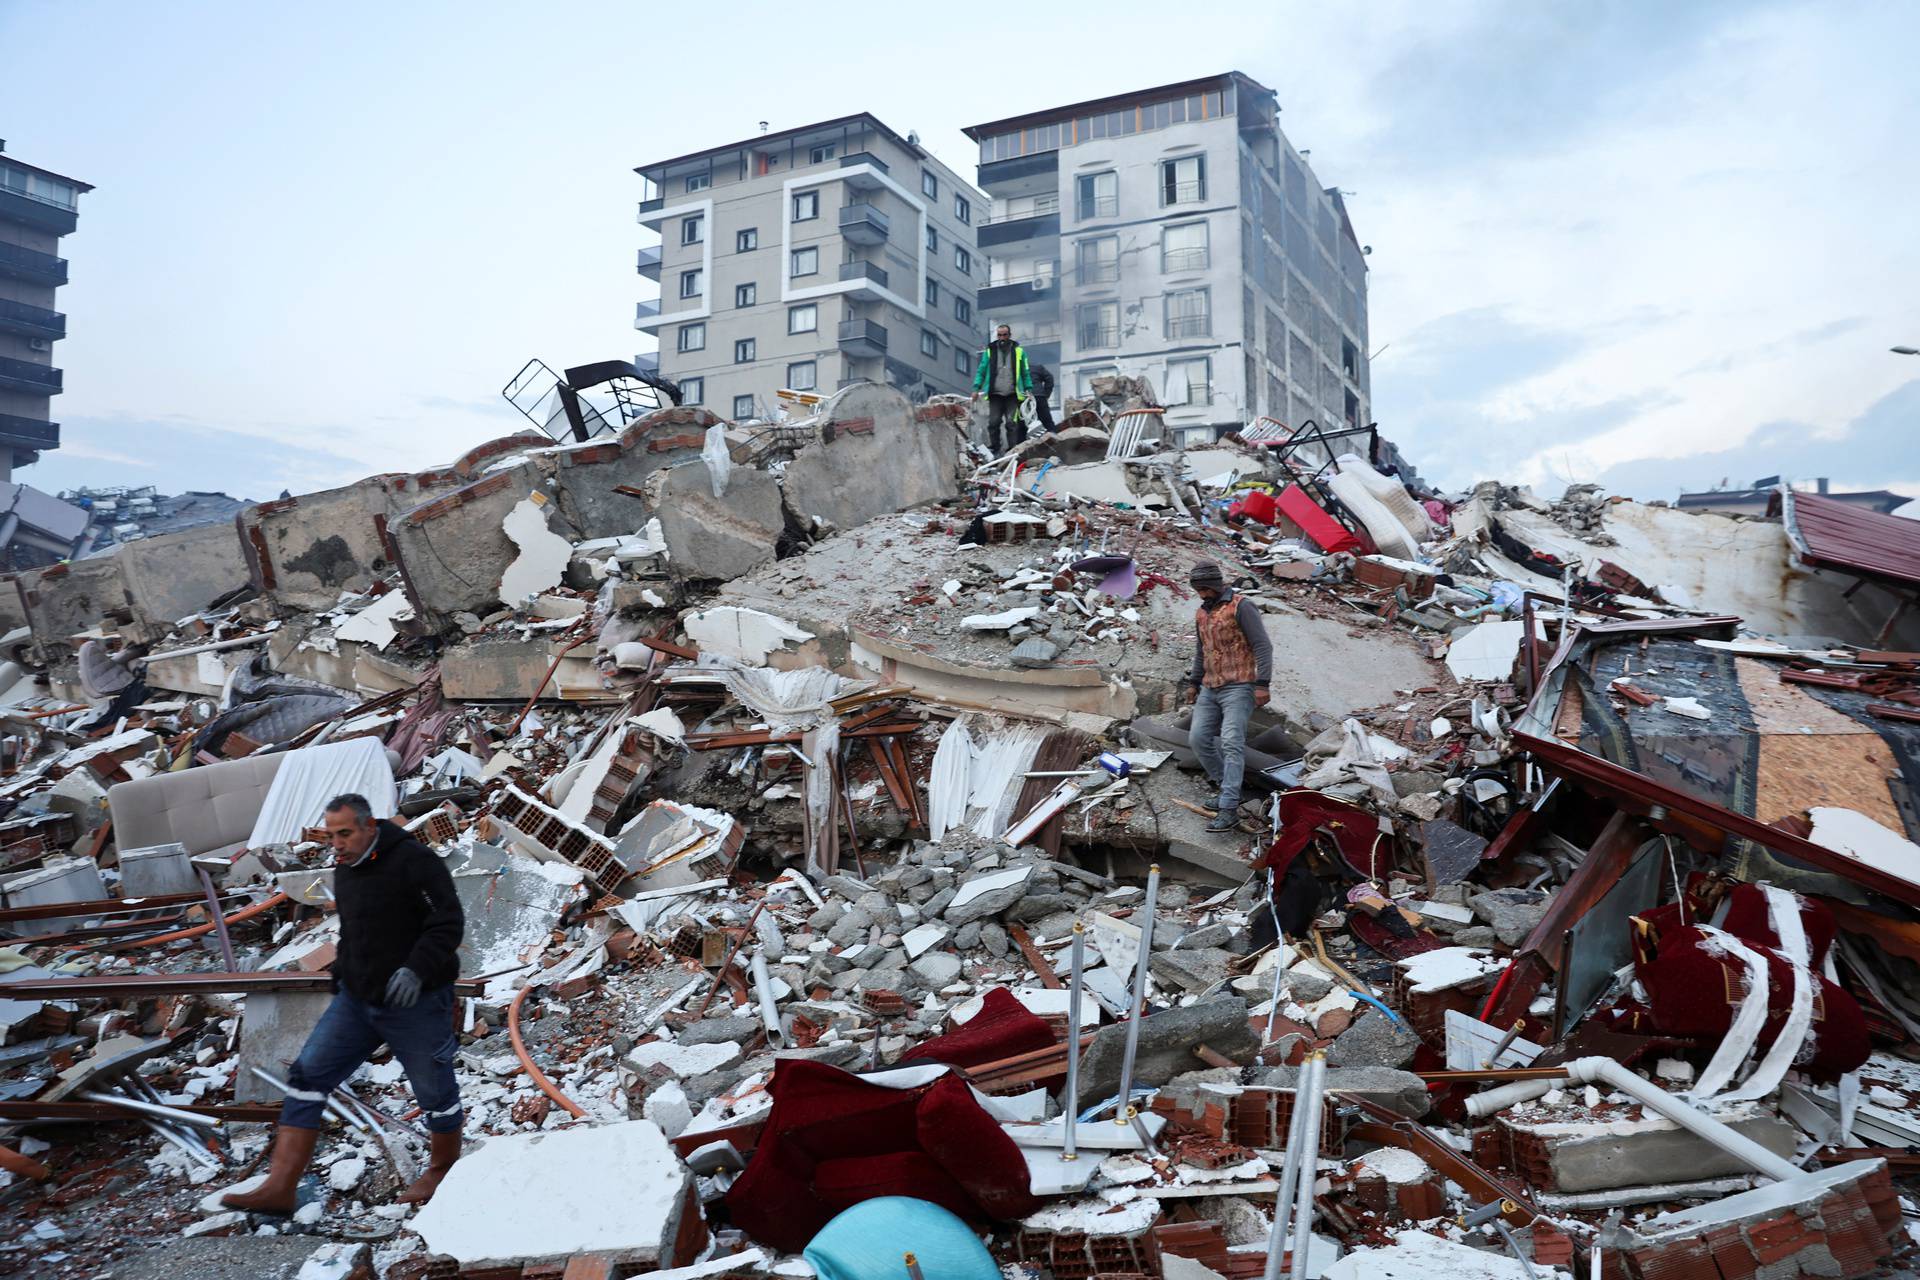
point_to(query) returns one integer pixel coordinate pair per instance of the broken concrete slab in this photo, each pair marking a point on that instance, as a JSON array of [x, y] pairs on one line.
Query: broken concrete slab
[[875, 456], [551, 1219], [711, 538], [989, 895], [174, 575], [274, 1026], [1167, 1041]]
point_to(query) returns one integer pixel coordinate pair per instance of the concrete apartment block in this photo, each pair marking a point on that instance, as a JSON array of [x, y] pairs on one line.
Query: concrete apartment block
[[811, 258], [37, 207], [1175, 234]]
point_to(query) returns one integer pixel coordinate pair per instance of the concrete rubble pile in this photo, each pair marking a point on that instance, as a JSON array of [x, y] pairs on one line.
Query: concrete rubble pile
[[835, 871]]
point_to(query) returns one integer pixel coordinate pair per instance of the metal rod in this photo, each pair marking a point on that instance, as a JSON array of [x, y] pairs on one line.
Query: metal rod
[[913, 1268], [1506, 1041], [331, 1103], [1309, 1171], [1289, 1174], [219, 920], [199, 1153], [1513, 1247], [375, 1115], [1138, 1001], [148, 1108], [1140, 1130], [1273, 1009], [1067, 1151]]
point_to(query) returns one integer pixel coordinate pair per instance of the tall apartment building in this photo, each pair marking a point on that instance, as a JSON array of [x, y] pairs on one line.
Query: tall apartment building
[[1175, 234], [37, 207], [810, 259]]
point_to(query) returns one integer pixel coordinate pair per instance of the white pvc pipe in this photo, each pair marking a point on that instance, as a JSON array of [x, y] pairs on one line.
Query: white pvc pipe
[[214, 647], [1137, 1003], [769, 1007], [1072, 1113], [1499, 1098], [1742, 1148]]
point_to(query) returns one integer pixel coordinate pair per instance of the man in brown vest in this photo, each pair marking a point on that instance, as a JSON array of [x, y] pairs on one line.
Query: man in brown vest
[[1232, 664]]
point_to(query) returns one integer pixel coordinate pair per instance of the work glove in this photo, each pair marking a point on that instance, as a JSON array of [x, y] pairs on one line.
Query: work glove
[[403, 989]]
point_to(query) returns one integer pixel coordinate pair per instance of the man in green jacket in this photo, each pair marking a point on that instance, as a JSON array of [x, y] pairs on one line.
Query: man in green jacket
[[1005, 380]]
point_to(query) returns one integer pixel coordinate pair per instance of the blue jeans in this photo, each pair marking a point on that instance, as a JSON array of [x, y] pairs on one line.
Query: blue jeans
[[347, 1034], [1218, 735]]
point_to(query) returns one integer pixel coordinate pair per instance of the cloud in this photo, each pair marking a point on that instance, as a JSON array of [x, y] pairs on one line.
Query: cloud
[[176, 455]]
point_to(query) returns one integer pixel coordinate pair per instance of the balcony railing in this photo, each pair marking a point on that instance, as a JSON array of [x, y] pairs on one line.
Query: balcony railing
[[1182, 192], [866, 271], [864, 224], [35, 322], [648, 263], [862, 157], [646, 314], [1184, 260], [1097, 272], [26, 376], [1189, 326], [30, 264], [863, 337], [1025, 209], [28, 433], [1099, 335], [1098, 207]]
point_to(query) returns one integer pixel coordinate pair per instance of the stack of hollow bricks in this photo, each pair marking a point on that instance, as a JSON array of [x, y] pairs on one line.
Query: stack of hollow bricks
[[1848, 1232], [1254, 1117], [590, 851]]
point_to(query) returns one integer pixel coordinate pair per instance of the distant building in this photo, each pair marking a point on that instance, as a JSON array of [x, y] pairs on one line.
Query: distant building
[[809, 259], [1752, 501], [37, 207], [1175, 234]]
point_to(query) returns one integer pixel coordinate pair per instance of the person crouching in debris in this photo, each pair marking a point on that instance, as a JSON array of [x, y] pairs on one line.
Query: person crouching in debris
[[400, 927], [1232, 662], [1004, 378]]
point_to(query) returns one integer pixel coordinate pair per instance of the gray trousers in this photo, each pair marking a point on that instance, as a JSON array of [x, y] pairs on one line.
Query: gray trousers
[[1218, 735]]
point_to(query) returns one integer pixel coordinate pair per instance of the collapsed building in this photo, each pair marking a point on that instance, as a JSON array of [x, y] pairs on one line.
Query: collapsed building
[[838, 900]]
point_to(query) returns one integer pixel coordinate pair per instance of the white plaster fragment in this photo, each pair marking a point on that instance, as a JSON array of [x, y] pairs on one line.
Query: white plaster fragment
[[543, 553]]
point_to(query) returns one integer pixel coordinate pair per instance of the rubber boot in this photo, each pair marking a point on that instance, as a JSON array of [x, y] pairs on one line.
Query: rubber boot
[[442, 1150], [292, 1150]]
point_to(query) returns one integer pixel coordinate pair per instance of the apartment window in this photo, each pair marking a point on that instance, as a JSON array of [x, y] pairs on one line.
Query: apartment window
[[806, 262], [962, 209], [1183, 180], [1349, 359], [963, 311], [692, 337], [692, 390], [746, 239], [933, 239], [803, 319], [806, 206], [800, 376], [1098, 195], [1098, 260], [699, 181], [744, 295], [693, 229], [933, 292], [929, 184], [742, 408], [962, 261], [1098, 324], [1189, 313], [820, 154], [692, 283], [1188, 382], [962, 362], [743, 350], [929, 343], [1184, 247]]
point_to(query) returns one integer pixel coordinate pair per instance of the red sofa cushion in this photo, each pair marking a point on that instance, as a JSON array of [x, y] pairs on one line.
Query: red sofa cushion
[[1002, 1028]]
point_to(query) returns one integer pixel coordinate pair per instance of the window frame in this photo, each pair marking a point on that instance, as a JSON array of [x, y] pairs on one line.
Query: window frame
[[793, 262], [820, 153], [933, 291], [813, 375], [1189, 402], [745, 350], [1081, 327], [930, 344], [693, 229], [704, 182], [1170, 183], [746, 240], [1205, 250], [738, 416], [933, 240], [812, 309], [696, 328], [1109, 270], [929, 184], [962, 260], [809, 200], [693, 390], [693, 283], [1087, 207], [962, 210], [962, 310], [1167, 317], [746, 295]]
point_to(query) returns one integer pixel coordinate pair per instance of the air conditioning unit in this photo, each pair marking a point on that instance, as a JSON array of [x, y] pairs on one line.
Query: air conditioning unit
[[40, 344]]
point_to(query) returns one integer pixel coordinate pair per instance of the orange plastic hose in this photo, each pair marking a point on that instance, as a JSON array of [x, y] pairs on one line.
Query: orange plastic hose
[[25, 1166], [245, 913], [520, 1051]]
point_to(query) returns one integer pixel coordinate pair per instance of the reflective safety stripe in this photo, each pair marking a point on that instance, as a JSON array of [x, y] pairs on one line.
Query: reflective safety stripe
[[306, 1096], [454, 1110]]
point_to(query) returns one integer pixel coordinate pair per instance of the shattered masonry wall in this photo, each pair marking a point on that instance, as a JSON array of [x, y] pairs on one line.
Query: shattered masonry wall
[[13, 611], [304, 551], [65, 599], [711, 538], [178, 574], [452, 550], [876, 456]]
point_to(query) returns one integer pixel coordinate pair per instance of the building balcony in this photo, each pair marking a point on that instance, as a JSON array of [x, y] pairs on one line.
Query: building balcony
[[32, 212], [1017, 173], [864, 224], [31, 321], [648, 362], [1189, 326], [649, 263], [20, 263], [646, 315], [1019, 293], [650, 211], [864, 181], [1020, 228], [871, 279], [35, 379], [863, 338], [28, 433]]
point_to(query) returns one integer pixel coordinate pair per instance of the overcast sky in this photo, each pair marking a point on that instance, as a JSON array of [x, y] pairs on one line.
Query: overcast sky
[[1653, 245]]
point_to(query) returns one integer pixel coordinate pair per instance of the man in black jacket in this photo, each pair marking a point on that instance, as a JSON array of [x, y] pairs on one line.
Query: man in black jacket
[[400, 927], [1042, 393]]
